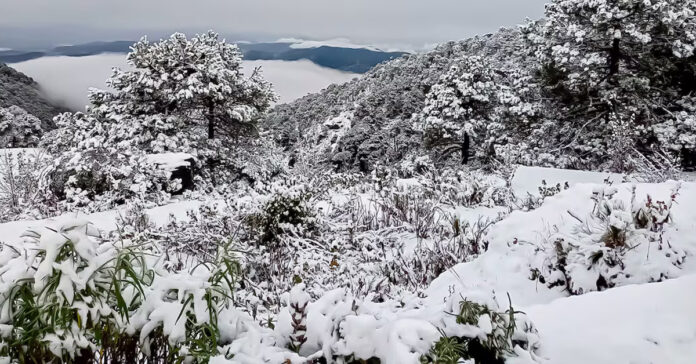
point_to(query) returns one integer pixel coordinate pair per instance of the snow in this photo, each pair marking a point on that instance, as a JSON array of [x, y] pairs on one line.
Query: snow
[[649, 323], [104, 221], [170, 161], [528, 179], [631, 323], [505, 267]]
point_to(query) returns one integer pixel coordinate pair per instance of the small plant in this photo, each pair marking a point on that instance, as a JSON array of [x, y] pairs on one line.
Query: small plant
[[299, 299], [547, 191], [611, 245], [24, 185], [285, 211], [68, 294], [494, 336]]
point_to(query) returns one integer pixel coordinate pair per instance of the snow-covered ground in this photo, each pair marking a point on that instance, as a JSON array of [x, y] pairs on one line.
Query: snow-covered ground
[[631, 323], [648, 323], [66, 80]]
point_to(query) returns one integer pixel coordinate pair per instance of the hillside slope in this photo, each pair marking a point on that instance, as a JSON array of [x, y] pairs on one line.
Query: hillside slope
[[368, 121], [18, 89]]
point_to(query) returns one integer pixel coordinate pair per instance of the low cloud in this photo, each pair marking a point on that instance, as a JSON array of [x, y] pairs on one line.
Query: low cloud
[[66, 80]]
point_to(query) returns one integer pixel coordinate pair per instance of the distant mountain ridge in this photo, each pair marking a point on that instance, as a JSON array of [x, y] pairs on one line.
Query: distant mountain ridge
[[350, 59]]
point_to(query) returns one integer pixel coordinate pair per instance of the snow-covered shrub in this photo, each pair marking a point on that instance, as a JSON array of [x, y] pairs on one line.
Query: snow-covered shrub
[[19, 129], [67, 294], [342, 328], [287, 211], [547, 191], [418, 268], [24, 185], [93, 171], [656, 167], [488, 335], [619, 243], [678, 133]]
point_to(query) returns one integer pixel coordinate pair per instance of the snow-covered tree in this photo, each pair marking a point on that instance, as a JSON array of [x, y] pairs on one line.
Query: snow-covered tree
[[95, 169], [18, 128], [615, 60], [199, 80], [477, 101], [178, 95], [678, 132]]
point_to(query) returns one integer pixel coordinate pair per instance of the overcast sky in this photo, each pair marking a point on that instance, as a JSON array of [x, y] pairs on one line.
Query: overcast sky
[[398, 23]]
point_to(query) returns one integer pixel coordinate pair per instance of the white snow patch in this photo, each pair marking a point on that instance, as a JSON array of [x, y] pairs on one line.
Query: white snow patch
[[648, 323], [528, 179], [170, 161]]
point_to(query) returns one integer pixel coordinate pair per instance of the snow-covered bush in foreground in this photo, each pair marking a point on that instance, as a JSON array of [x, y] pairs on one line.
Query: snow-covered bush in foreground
[[344, 329], [620, 242], [66, 295]]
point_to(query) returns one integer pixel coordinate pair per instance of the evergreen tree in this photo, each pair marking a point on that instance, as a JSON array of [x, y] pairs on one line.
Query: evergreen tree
[[18, 128], [179, 95], [477, 104], [613, 62]]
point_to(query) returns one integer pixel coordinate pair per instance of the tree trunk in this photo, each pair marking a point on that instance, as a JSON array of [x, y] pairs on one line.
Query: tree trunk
[[465, 149], [211, 121], [614, 59], [211, 135]]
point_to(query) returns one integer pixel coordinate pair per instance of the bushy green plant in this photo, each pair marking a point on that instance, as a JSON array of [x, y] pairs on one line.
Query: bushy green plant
[[492, 346], [287, 210], [67, 295]]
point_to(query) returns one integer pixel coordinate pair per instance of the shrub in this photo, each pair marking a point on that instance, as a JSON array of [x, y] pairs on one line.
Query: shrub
[[24, 185], [611, 246], [286, 211], [67, 295], [493, 335]]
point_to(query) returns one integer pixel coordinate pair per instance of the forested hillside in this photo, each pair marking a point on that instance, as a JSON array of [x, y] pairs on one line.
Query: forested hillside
[[17, 89], [579, 89]]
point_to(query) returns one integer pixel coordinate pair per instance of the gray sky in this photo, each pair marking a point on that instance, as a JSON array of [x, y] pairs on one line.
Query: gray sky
[[401, 23]]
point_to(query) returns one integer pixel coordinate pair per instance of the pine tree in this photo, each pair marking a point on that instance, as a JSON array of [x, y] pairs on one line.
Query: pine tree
[[615, 60], [179, 95], [476, 104]]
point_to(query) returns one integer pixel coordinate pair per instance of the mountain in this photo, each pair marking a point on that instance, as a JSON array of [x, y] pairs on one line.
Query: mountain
[[343, 57], [21, 90], [368, 121]]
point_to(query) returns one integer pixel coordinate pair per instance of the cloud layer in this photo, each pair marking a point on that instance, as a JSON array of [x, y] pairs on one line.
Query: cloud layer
[[66, 80]]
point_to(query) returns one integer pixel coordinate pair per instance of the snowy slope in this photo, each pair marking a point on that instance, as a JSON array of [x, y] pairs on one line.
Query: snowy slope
[[631, 323], [505, 267], [649, 323]]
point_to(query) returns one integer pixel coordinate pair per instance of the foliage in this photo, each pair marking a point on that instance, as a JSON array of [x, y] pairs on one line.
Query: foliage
[[179, 96], [68, 295], [19, 129], [616, 245], [492, 336], [24, 185]]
